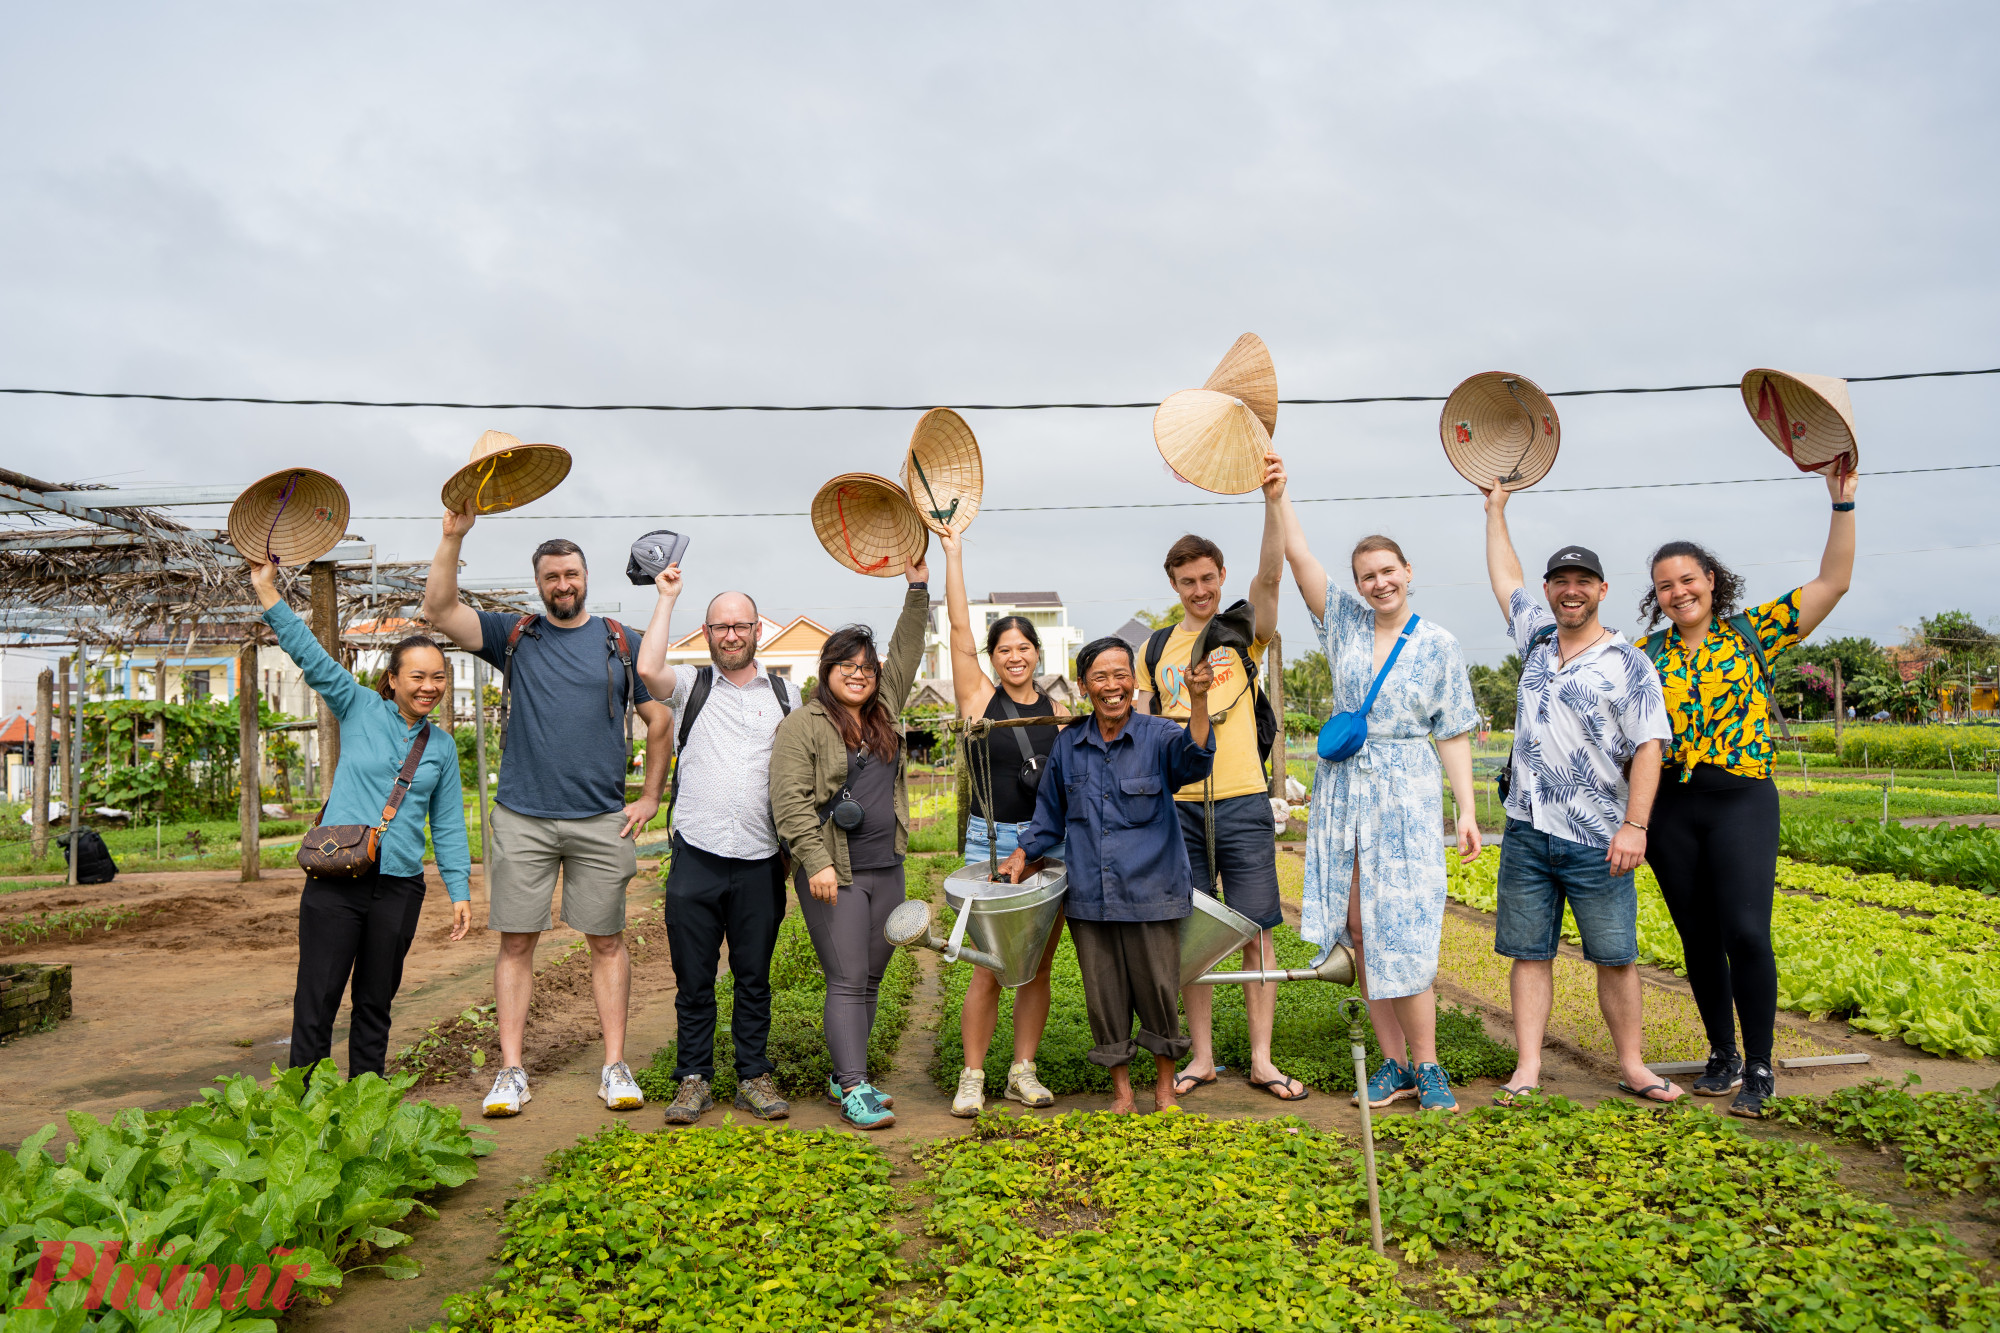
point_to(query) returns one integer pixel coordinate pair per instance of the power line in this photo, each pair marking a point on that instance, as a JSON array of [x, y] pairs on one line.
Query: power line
[[1203, 504], [885, 407]]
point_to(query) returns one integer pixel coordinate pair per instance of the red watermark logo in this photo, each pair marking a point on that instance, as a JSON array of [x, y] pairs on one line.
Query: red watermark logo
[[155, 1283]]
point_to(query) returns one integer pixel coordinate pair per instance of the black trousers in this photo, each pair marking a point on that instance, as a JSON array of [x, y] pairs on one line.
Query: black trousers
[[711, 899], [358, 928], [1713, 846]]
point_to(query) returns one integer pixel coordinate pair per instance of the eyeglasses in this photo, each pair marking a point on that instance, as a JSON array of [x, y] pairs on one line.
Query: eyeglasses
[[853, 672], [740, 630]]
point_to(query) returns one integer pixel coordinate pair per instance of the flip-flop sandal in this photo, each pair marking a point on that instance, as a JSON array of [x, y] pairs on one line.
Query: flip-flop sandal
[[1512, 1096], [1284, 1081], [1646, 1094], [1193, 1082]]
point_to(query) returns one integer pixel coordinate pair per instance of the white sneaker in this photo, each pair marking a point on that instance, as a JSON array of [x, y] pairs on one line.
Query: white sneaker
[[510, 1092], [1024, 1087], [618, 1088], [971, 1098]]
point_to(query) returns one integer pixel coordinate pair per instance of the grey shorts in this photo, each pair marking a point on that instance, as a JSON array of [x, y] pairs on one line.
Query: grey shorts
[[524, 854], [1246, 854]]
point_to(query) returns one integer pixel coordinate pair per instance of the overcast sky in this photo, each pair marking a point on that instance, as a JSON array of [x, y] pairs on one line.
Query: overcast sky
[[1016, 203]]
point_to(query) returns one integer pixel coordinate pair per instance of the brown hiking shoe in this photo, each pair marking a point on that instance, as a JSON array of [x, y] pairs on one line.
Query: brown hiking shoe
[[689, 1102], [759, 1096]]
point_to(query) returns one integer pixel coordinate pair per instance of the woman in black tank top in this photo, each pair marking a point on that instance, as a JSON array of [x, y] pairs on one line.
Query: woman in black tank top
[[1016, 653]]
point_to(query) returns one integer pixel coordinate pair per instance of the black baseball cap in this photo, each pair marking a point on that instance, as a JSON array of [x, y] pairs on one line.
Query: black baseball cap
[[1575, 557]]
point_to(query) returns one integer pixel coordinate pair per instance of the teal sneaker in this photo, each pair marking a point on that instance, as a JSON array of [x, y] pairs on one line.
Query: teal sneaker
[[1434, 1089], [862, 1108], [1391, 1082], [834, 1097]]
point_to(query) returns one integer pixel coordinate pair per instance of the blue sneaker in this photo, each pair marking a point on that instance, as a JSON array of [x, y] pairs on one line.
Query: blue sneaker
[[861, 1106], [1391, 1082], [834, 1096], [1434, 1089]]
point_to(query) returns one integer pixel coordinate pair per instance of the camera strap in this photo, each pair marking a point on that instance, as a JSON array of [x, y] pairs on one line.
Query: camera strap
[[1013, 710]]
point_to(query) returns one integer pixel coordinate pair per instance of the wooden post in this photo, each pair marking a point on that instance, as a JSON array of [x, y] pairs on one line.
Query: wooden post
[[249, 777], [326, 628], [1839, 709], [68, 761], [45, 757], [479, 752], [1274, 685]]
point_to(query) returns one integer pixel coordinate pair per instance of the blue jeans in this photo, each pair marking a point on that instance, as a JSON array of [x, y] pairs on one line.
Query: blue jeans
[[1538, 873], [1006, 837]]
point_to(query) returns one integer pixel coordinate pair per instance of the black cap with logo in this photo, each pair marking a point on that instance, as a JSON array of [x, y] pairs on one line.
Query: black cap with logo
[[1575, 557]]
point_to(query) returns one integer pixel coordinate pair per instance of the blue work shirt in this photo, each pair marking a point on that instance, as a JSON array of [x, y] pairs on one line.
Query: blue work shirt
[[374, 741], [1115, 805]]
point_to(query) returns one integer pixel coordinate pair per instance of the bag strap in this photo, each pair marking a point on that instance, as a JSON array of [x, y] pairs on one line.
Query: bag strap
[[1740, 622], [522, 625], [704, 682], [621, 649], [1388, 663], [778, 689], [1012, 710], [1156, 644], [401, 787]]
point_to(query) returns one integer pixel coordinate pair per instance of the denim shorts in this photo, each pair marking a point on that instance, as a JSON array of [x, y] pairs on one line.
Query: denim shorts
[[1246, 854], [1538, 873], [1006, 837]]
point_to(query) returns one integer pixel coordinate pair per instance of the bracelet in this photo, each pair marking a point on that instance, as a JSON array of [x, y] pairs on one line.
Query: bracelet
[[1843, 507], [1637, 825]]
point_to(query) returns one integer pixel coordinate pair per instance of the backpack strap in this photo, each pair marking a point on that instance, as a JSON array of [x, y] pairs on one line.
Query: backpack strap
[[1156, 644], [523, 624], [704, 682], [778, 688], [1740, 622], [621, 649]]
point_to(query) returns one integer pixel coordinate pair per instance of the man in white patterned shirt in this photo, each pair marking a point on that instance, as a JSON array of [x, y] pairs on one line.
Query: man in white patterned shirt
[[1590, 722], [727, 880]]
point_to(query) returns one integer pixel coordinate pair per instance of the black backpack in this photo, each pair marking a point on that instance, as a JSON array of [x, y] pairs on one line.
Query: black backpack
[[1267, 719], [93, 859], [704, 684]]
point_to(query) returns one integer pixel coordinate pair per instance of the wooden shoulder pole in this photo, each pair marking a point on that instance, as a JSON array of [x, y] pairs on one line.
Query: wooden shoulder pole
[[326, 628], [68, 751], [249, 776]]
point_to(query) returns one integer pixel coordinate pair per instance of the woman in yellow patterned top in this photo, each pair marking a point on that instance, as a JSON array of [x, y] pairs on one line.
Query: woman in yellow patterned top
[[1713, 840]]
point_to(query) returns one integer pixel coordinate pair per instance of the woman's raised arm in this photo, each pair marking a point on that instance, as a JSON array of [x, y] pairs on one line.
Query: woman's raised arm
[[1836, 564], [1307, 572], [971, 687]]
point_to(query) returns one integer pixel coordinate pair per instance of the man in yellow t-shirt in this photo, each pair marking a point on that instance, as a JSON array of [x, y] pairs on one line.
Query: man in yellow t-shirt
[[1245, 832]]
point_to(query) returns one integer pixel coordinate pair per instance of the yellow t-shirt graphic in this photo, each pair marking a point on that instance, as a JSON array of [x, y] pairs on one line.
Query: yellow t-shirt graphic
[[1239, 769]]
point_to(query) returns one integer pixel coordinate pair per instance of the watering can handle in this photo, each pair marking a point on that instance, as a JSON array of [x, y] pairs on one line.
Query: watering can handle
[[957, 929]]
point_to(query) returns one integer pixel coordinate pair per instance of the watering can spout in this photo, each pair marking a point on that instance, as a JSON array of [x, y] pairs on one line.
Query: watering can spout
[[1336, 965]]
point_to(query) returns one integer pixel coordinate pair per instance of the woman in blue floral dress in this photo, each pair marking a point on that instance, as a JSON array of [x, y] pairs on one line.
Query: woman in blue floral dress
[[1375, 874]]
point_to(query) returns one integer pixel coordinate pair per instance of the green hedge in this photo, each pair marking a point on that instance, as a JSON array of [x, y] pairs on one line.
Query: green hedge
[[1309, 1040], [798, 1036], [1941, 854], [1880, 745]]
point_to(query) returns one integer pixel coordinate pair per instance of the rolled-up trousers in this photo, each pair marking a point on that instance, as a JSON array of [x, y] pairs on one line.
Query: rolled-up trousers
[[1131, 967]]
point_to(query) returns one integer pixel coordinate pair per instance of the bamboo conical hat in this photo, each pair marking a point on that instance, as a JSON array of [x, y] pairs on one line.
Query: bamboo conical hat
[[1247, 373], [942, 472], [505, 474], [1213, 440], [289, 518], [1499, 424], [1809, 417], [867, 523]]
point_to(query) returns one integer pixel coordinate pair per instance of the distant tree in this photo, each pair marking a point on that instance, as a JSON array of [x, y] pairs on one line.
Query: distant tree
[[1495, 690], [1308, 685], [1159, 619]]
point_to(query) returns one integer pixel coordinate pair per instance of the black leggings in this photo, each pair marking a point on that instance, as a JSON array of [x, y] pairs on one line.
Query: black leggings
[[1713, 846], [357, 929]]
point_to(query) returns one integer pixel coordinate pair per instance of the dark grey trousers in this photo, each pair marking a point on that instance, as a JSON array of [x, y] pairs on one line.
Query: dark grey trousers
[[853, 952], [1131, 967]]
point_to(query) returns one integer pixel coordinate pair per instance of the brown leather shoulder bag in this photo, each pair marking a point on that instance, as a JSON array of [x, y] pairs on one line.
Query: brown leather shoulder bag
[[353, 851]]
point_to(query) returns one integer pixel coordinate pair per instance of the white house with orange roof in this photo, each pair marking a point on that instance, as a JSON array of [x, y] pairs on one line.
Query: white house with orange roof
[[790, 650]]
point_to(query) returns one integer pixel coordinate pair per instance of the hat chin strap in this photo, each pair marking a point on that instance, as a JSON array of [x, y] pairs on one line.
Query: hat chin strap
[[492, 461], [291, 485]]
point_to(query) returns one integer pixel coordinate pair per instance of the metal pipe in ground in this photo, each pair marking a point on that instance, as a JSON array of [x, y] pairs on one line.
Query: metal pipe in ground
[[1357, 1013]]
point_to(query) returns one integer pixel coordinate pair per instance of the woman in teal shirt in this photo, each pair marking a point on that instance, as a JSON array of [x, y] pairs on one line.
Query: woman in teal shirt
[[360, 929]]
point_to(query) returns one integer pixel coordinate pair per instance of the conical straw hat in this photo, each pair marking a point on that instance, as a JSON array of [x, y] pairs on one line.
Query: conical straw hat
[[1499, 424], [289, 518], [941, 472], [505, 474], [867, 523], [1808, 416], [1216, 441], [1247, 373]]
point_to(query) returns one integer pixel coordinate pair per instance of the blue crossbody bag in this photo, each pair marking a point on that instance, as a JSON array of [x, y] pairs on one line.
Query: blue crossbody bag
[[1344, 733]]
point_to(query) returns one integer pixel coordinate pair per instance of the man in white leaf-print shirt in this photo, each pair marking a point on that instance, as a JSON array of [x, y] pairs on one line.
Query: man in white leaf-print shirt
[[1589, 726]]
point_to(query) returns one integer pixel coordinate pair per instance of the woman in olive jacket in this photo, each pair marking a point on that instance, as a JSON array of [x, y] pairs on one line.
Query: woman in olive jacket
[[845, 749]]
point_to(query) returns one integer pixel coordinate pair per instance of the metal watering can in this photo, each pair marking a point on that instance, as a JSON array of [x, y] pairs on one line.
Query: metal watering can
[[1009, 924], [1009, 927]]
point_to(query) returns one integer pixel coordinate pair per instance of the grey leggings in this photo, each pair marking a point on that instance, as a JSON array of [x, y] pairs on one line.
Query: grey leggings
[[853, 952]]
